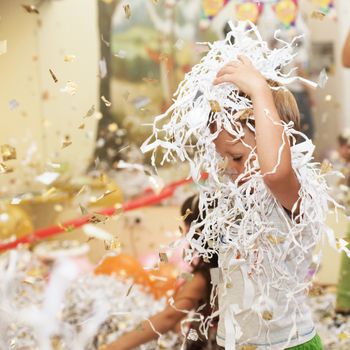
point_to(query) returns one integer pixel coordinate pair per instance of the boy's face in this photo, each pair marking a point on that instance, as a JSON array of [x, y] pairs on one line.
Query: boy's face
[[235, 151]]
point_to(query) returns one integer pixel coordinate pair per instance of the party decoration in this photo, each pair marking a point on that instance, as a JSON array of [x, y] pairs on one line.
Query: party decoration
[[14, 222], [286, 12], [112, 196], [248, 11], [210, 8], [124, 266], [324, 6]]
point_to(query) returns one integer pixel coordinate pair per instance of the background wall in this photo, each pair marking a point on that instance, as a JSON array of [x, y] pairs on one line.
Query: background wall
[[37, 43]]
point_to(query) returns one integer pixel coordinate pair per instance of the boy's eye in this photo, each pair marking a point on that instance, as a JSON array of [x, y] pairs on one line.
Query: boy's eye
[[237, 158]]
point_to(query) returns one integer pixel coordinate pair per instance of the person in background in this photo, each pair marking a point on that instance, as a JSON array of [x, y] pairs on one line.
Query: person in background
[[346, 52], [190, 296]]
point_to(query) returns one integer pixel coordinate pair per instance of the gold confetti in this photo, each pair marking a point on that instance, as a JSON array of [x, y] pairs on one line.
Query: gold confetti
[[53, 76], [127, 10], [30, 8], [188, 212], [113, 244], [4, 169], [81, 126], [267, 315], [214, 105], [155, 2], [163, 257], [248, 347], [326, 167], [49, 192], [7, 152], [82, 189], [275, 239], [98, 218], [70, 88], [90, 112], [129, 290], [69, 58], [318, 15], [328, 98], [106, 102], [105, 41], [83, 209], [66, 142]]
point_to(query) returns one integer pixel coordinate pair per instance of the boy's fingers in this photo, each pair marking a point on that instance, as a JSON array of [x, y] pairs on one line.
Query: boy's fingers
[[226, 70], [244, 59], [226, 78]]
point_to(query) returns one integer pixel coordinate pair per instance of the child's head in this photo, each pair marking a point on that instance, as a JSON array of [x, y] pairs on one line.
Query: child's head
[[238, 151]]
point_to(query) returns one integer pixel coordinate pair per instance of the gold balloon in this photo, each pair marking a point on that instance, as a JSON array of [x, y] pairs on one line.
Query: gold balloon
[[14, 221], [112, 196]]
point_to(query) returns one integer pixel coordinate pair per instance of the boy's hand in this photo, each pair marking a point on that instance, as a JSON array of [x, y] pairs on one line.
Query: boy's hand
[[243, 74]]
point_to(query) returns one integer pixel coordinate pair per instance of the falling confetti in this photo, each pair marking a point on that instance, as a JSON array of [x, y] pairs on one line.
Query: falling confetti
[[326, 167], [93, 231], [81, 126], [188, 212], [4, 169], [192, 335], [105, 41], [30, 8], [112, 244], [121, 54], [322, 78], [53, 76], [69, 58], [47, 178], [90, 112], [318, 15], [7, 152], [215, 106], [328, 98], [106, 102], [127, 10], [163, 258], [66, 142], [103, 68], [83, 210], [49, 192], [70, 88]]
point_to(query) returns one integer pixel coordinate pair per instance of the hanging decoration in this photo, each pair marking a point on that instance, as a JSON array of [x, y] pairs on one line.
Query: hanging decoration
[[249, 11], [210, 8], [286, 12]]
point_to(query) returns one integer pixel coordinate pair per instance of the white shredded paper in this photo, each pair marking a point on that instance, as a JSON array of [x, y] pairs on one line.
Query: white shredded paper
[[264, 254]]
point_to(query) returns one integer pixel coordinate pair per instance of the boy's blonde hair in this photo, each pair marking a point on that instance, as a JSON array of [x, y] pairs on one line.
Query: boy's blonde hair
[[285, 103]]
